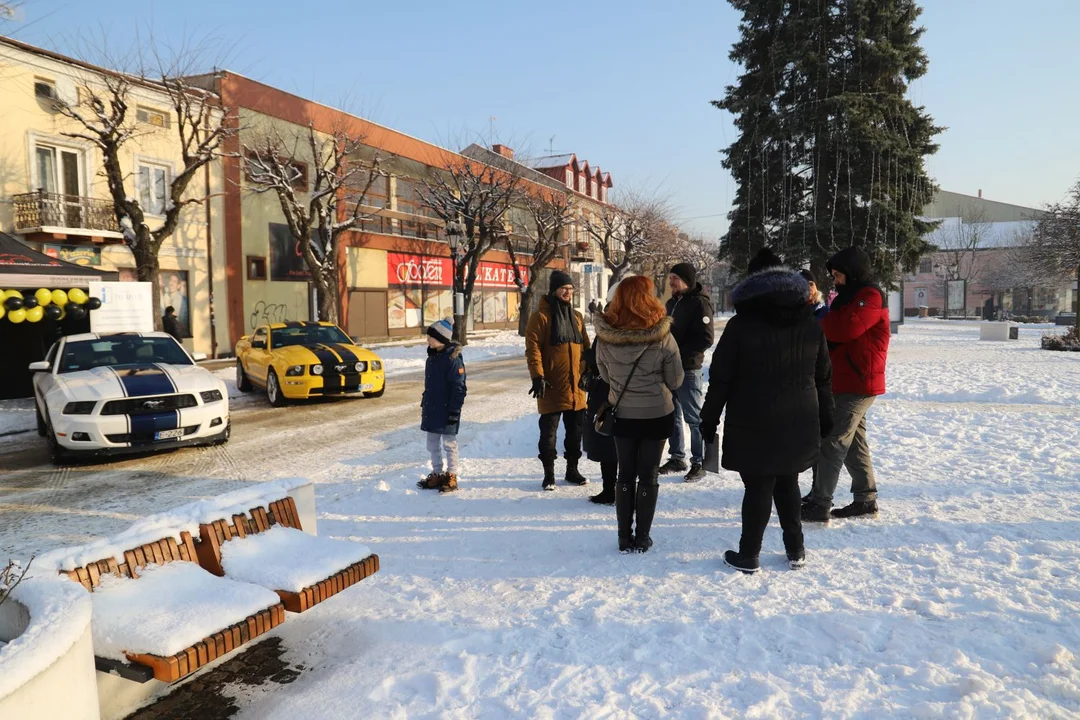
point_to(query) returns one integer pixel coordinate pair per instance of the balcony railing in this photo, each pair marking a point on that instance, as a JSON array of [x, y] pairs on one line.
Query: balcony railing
[[581, 250], [40, 209]]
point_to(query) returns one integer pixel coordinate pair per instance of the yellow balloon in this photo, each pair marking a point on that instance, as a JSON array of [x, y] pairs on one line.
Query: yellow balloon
[[17, 316], [35, 313], [3, 311], [59, 297], [77, 296], [13, 293], [44, 297]]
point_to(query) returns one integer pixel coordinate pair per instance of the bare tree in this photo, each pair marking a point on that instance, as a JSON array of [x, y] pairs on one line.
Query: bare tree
[[548, 218], [958, 244], [472, 199], [1055, 247], [10, 577], [320, 205], [105, 114], [622, 232]]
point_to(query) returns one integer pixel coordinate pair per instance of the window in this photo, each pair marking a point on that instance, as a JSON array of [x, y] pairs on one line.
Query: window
[[581, 184], [59, 170], [592, 188], [115, 350], [157, 118], [153, 188], [256, 267], [926, 266], [569, 178], [45, 89], [603, 193]]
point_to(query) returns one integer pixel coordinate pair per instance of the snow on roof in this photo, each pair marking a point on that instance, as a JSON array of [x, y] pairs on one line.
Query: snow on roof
[[990, 235], [551, 161]]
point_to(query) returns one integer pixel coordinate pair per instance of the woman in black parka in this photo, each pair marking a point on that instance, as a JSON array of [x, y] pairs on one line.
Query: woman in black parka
[[599, 448], [771, 371]]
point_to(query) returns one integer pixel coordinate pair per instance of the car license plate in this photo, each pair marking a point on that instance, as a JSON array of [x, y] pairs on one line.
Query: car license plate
[[169, 434], [367, 387]]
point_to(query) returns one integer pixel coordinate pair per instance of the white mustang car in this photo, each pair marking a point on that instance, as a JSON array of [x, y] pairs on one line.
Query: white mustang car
[[126, 393]]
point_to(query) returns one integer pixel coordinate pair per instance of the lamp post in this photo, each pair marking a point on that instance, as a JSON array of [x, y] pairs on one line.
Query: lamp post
[[454, 233]]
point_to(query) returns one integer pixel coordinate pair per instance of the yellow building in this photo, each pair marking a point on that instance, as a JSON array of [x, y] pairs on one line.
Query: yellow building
[[54, 196]]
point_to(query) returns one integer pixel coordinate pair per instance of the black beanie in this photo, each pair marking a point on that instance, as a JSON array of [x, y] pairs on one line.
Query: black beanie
[[805, 272], [687, 272], [764, 260], [558, 279]]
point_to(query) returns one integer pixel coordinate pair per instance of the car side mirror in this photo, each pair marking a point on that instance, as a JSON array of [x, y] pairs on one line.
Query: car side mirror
[[40, 366], [258, 344], [198, 356]]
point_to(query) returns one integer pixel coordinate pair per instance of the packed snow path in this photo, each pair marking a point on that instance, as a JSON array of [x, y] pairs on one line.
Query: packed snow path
[[959, 600]]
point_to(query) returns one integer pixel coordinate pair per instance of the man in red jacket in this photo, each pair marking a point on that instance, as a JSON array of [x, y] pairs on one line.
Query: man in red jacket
[[857, 329]]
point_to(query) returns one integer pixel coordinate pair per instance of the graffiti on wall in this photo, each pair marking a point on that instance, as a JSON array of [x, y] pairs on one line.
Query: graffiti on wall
[[265, 313]]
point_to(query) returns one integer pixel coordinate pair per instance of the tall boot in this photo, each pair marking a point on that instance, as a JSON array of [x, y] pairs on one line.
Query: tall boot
[[625, 498], [549, 473], [646, 510], [609, 471], [572, 475]]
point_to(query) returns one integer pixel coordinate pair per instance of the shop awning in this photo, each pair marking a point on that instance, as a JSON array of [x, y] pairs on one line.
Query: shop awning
[[23, 267]]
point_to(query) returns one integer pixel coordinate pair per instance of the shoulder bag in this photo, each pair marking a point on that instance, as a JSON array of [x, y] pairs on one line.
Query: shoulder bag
[[604, 422]]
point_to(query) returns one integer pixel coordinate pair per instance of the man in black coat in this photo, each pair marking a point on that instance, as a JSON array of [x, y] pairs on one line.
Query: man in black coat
[[691, 314], [171, 324], [772, 372]]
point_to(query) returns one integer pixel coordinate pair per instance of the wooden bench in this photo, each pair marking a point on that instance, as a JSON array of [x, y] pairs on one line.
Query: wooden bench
[[213, 535], [172, 667]]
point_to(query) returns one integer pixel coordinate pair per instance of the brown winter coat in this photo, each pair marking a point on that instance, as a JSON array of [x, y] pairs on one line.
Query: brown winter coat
[[659, 372], [561, 365]]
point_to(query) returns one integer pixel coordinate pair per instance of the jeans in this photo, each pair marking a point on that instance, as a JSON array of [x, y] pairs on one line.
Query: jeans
[[762, 492], [549, 429], [688, 399], [846, 446], [439, 445]]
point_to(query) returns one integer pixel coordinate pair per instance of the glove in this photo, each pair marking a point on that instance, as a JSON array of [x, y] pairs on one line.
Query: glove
[[585, 381], [537, 390], [453, 418]]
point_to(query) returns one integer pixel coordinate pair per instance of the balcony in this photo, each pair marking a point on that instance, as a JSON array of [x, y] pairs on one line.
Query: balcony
[[62, 215], [581, 250]]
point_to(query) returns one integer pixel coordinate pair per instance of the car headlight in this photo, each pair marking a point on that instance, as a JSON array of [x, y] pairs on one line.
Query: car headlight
[[209, 396], [316, 369], [360, 366], [376, 365], [80, 408], [294, 370]]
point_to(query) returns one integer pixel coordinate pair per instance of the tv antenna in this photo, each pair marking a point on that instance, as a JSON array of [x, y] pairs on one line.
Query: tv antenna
[[551, 145]]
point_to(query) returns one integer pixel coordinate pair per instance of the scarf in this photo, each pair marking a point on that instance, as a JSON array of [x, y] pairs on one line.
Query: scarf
[[564, 326]]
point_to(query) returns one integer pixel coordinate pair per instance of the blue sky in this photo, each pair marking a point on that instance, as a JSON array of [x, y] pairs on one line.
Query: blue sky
[[625, 85]]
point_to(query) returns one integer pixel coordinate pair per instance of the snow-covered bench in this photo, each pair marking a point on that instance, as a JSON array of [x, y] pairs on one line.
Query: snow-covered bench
[[160, 615], [268, 547]]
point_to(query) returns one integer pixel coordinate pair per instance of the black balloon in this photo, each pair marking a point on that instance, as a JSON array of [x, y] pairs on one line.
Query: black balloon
[[13, 303], [29, 302], [76, 312], [53, 312], [93, 303]]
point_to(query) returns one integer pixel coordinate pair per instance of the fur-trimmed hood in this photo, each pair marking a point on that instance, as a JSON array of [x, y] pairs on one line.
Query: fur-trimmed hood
[[453, 348], [625, 336], [776, 293]]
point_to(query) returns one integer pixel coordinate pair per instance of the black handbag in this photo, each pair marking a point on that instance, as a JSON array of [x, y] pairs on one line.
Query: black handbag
[[604, 422]]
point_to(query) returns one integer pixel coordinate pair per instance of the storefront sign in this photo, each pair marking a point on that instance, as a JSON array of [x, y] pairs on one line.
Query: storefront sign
[[402, 269], [85, 255], [286, 260], [125, 307], [498, 275]]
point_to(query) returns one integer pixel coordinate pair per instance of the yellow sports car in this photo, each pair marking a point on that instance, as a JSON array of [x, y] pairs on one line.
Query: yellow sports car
[[301, 360]]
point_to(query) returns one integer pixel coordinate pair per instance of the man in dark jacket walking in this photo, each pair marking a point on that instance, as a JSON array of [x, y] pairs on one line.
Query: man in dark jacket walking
[[857, 328], [691, 313], [171, 324]]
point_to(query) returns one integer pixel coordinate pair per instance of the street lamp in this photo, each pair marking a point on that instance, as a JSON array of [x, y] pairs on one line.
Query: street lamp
[[454, 232]]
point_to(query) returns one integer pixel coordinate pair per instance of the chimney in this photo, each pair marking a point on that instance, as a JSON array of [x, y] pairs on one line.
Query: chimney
[[980, 189], [506, 152]]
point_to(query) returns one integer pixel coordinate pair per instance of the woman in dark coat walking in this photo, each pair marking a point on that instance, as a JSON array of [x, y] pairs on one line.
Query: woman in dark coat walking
[[771, 371]]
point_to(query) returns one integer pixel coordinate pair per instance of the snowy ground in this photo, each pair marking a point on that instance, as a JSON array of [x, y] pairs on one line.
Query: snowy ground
[[958, 600]]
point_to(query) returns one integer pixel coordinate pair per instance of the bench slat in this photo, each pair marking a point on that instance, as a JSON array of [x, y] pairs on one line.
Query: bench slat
[[290, 512], [239, 524]]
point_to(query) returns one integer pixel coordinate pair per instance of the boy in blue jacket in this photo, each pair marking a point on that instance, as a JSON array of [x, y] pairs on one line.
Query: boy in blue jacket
[[444, 394]]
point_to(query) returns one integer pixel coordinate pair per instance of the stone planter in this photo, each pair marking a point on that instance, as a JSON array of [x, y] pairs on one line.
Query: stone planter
[[47, 664]]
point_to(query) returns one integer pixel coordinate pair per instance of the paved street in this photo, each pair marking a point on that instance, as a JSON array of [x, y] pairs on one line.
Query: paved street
[[43, 507]]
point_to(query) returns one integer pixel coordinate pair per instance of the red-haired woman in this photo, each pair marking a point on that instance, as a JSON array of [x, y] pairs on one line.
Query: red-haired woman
[[639, 359]]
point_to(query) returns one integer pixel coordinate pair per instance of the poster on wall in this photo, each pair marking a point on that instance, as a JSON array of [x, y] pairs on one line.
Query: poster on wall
[[956, 295], [286, 260], [174, 292], [125, 307], [438, 305]]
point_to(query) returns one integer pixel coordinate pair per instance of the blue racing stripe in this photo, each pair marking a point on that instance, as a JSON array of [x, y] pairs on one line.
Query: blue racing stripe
[[150, 424], [145, 379]]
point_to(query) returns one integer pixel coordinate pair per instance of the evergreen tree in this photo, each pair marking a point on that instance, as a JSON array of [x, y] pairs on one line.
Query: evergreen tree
[[830, 150]]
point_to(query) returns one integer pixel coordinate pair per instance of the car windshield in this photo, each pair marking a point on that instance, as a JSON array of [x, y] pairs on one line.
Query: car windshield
[[121, 350], [307, 335]]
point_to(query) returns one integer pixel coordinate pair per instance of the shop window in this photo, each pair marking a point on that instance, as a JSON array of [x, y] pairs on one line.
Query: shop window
[[404, 308], [256, 267], [438, 305]]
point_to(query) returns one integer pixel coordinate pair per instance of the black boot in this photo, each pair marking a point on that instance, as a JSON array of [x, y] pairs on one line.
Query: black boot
[[646, 510], [549, 474], [608, 470], [747, 565], [625, 499], [572, 475]]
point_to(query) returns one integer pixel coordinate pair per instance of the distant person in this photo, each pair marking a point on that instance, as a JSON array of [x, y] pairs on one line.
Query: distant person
[[440, 407], [817, 300], [771, 372], [691, 314], [857, 328], [639, 358], [171, 323], [592, 307], [555, 340]]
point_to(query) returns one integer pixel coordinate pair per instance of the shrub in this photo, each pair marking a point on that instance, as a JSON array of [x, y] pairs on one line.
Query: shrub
[[1069, 342]]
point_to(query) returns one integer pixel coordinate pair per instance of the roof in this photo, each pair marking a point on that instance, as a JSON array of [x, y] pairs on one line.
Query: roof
[[551, 161], [23, 267], [494, 159], [990, 235], [100, 336]]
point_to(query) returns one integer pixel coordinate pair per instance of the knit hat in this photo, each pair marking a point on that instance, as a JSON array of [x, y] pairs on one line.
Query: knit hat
[[805, 272], [854, 263], [764, 260], [441, 330], [685, 271], [559, 279]]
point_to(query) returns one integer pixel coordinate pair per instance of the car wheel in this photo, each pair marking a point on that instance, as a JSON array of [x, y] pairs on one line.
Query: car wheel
[[273, 390], [56, 453], [243, 384], [377, 394], [225, 435], [42, 430]]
